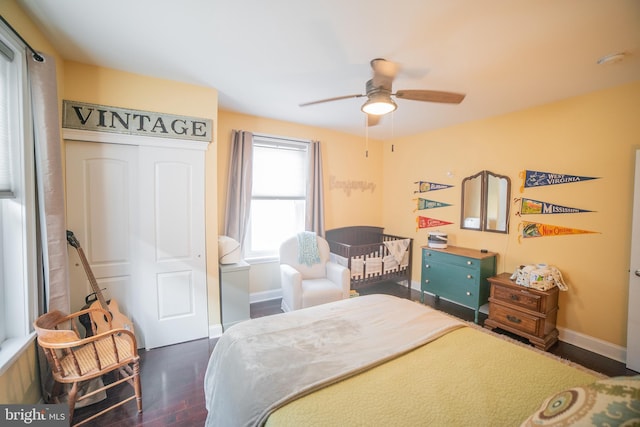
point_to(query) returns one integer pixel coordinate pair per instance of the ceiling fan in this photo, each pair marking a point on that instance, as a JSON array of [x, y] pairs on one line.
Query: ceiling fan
[[379, 93]]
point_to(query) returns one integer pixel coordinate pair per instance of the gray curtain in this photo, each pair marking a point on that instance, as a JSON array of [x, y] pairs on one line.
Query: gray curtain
[[50, 187], [314, 220], [239, 185]]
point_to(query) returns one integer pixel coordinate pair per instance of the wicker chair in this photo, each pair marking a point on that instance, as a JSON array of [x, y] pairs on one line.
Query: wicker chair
[[73, 359]]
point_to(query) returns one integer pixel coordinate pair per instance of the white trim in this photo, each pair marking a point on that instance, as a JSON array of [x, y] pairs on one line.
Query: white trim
[[116, 138], [265, 295], [603, 348], [12, 350], [215, 331]]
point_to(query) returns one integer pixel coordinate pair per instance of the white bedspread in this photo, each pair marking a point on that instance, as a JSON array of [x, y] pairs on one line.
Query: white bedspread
[[259, 365]]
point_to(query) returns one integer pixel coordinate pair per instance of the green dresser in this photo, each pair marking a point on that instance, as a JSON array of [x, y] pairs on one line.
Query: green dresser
[[458, 275]]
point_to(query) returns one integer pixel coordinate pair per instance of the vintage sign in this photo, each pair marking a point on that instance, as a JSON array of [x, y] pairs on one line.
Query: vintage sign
[[536, 229], [428, 204], [530, 206], [101, 118], [424, 186], [539, 179], [425, 222]]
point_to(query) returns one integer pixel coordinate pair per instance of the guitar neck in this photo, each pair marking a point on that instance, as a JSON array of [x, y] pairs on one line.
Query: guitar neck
[[92, 279]]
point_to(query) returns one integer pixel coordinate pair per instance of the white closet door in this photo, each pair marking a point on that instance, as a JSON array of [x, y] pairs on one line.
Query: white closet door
[[633, 322], [138, 213], [172, 244], [101, 182]]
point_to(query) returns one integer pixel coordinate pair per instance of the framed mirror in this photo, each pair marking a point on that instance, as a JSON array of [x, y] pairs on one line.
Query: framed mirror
[[485, 202]]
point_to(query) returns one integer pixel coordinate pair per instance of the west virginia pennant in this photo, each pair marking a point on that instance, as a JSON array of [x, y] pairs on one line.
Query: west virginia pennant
[[530, 206], [539, 179], [424, 222], [429, 204], [536, 229], [424, 186]]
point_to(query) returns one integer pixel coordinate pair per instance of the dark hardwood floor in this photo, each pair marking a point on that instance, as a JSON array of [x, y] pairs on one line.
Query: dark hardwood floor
[[173, 376]]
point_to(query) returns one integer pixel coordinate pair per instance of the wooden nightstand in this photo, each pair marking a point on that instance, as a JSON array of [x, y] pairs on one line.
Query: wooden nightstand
[[523, 311]]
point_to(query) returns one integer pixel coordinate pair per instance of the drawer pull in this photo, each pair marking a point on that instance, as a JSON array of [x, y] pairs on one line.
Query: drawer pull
[[469, 263], [468, 293], [469, 276], [513, 319], [514, 297], [426, 280], [427, 266]]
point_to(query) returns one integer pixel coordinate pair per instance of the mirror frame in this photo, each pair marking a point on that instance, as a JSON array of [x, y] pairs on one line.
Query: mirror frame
[[483, 226]]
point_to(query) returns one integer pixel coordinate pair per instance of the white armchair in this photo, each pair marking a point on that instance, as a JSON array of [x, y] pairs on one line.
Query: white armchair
[[308, 285]]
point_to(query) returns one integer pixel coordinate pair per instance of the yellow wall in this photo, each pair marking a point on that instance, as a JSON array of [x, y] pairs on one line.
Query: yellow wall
[[592, 135]]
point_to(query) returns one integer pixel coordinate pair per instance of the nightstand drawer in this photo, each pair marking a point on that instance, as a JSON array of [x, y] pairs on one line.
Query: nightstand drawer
[[514, 318], [520, 297]]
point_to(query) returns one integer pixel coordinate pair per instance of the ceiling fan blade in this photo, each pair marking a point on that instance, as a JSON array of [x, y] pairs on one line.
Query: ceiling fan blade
[[337, 98], [431, 96], [373, 120]]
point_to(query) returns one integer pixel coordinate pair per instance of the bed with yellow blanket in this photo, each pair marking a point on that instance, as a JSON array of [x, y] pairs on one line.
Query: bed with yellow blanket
[[377, 360]]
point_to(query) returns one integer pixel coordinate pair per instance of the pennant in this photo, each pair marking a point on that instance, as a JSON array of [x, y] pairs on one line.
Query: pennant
[[536, 229], [424, 186], [429, 204], [530, 206], [424, 222], [539, 179]]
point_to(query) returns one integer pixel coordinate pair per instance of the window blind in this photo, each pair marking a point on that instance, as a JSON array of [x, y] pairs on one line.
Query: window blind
[[6, 57]]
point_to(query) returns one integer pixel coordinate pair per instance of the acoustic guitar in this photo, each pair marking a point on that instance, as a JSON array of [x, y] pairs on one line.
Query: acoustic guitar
[[96, 322]]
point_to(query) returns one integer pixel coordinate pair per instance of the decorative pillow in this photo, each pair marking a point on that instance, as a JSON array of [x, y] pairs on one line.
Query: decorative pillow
[[228, 250], [610, 402]]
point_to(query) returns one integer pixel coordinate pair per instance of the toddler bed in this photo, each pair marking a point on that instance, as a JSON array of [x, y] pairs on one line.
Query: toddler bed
[[371, 255]]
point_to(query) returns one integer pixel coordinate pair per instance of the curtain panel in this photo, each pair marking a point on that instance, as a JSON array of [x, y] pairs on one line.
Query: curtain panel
[[314, 220], [50, 187], [239, 186]]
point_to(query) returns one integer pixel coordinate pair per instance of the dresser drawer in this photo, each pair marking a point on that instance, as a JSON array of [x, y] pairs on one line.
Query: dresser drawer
[[514, 318], [454, 283], [429, 257], [519, 297]]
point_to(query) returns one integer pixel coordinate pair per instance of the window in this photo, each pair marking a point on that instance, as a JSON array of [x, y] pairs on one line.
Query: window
[[279, 191], [18, 282]]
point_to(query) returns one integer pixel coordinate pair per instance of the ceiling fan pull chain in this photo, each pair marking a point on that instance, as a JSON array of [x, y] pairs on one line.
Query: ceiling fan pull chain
[[366, 136]]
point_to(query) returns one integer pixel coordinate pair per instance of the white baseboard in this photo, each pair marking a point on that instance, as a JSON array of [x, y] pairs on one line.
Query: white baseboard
[[265, 295], [603, 348], [215, 331]]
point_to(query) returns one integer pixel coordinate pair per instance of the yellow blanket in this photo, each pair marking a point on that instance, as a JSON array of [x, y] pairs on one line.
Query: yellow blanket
[[465, 378]]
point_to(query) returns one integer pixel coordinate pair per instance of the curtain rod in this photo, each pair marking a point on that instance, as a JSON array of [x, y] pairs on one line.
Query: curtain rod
[[36, 55], [283, 138]]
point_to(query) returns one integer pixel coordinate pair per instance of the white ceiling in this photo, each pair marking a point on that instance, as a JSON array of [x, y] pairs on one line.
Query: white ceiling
[[266, 57]]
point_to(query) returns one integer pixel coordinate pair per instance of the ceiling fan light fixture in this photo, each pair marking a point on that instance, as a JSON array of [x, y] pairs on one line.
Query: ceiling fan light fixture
[[379, 105]]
